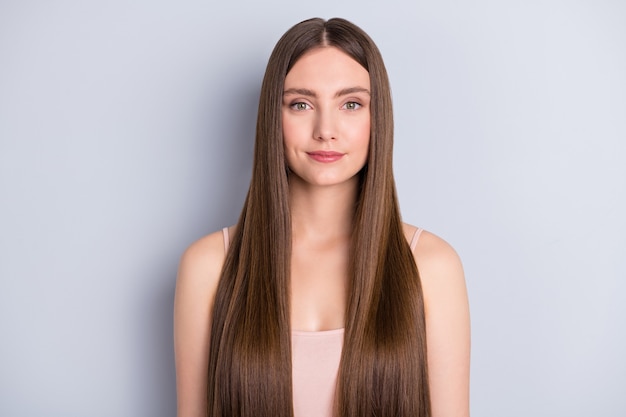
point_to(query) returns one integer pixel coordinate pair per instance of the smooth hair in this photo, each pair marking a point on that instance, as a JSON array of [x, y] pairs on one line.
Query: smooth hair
[[383, 368]]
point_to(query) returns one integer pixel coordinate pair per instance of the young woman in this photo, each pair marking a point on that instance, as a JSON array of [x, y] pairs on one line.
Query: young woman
[[312, 305]]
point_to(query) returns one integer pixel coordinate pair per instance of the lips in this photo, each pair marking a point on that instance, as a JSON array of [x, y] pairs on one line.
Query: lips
[[325, 156]]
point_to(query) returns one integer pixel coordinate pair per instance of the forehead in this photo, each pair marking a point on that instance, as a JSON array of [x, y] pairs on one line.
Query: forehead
[[327, 68]]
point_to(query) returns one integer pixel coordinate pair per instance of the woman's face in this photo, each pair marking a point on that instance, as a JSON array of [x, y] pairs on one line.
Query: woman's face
[[326, 117]]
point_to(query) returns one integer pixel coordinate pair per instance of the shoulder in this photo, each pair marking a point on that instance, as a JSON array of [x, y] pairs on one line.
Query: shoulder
[[199, 270], [440, 268], [203, 259], [447, 324], [198, 275]]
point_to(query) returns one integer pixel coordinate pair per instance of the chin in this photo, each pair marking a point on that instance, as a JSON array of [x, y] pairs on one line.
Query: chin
[[335, 182]]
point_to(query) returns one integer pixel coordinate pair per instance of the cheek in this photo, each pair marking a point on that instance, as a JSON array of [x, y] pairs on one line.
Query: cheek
[[287, 134], [291, 131], [291, 139], [361, 134]]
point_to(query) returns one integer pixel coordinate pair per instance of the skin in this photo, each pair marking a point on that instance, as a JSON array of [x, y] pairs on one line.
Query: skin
[[326, 107]]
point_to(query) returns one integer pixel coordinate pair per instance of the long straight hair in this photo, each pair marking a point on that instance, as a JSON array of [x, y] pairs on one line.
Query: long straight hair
[[383, 369]]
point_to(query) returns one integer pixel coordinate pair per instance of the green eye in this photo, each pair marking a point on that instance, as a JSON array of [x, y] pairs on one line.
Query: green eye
[[352, 105]]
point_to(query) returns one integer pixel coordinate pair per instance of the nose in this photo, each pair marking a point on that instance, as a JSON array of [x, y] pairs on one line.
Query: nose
[[325, 125]]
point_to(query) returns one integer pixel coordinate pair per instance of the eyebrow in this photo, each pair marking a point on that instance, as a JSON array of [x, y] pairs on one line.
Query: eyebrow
[[311, 93]]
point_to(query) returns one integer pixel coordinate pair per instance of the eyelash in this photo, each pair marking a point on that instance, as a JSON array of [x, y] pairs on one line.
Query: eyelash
[[357, 105], [295, 105]]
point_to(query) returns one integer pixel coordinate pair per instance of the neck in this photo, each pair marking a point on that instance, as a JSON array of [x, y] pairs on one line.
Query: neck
[[322, 211]]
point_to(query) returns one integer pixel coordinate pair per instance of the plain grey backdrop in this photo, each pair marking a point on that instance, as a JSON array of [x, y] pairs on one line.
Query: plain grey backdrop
[[126, 132]]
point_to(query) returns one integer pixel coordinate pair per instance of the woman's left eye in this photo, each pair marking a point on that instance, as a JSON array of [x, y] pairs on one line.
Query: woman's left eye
[[351, 105]]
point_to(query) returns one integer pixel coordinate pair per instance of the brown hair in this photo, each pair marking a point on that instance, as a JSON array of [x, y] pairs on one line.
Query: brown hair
[[383, 368]]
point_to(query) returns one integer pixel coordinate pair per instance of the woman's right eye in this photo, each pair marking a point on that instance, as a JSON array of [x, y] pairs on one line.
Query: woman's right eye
[[300, 105]]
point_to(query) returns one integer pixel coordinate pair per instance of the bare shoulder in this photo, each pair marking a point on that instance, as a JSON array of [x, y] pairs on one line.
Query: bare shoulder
[[202, 261], [438, 263], [199, 271], [198, 275], [447, 323]]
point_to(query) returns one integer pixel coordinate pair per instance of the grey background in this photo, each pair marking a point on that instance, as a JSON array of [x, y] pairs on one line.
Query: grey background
[[126, 131]]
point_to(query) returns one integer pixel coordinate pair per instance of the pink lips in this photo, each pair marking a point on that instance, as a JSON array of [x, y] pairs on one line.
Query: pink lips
[[325, 156]]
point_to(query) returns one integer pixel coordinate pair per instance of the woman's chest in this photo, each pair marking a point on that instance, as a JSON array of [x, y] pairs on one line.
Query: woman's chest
[[318, 290], [315, 363]]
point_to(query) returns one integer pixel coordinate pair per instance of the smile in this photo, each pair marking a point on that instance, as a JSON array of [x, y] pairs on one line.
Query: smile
[[325, 156]]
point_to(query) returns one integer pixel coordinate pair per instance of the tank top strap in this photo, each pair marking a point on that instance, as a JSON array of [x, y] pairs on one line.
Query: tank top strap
[[226, 239], [415, 238]]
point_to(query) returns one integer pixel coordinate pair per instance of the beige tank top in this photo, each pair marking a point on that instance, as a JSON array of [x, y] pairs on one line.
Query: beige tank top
[[315, 360]]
